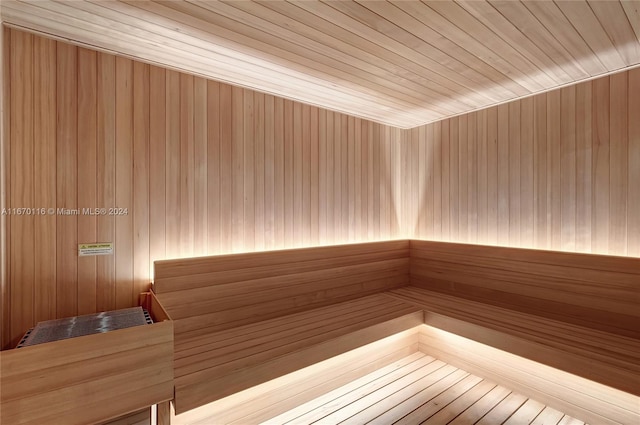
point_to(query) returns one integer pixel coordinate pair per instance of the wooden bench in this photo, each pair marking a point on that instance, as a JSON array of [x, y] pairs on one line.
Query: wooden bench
[[244, 319], [578, 313]]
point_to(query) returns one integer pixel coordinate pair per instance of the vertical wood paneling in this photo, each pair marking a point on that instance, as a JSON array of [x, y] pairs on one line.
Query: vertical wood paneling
[[259, 165], [124, 183], [503, 225], [583, 167], [186, 186], [66, 181], [514, 173], [140, 204], [157, 165], [298, 182], [213, 167], [344, 171], [21, 244], [226, 169], [278, 137], [554, 177], [45, 176], [556, 171], [568, 167], [473, 188], [633, 189], [205, 168], [314, 193], [200, 167], [172, 177], [600, 165], [454, 206], [187, 149], [106, 181], [197, 167], [618, 162], [437, 180], [492, 176], [289, 184], [540, 213], [465, 181], [482, 164], [269, 172], [526, 169], [5, 183], [87, 184], [445, 181], [248, 193]]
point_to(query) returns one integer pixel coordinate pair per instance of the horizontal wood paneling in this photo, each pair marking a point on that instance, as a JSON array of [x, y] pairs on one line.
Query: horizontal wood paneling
[[257, 405], [589, 290], [195, 168], [402, 63], [210, 293], [557, 171], [489, 353], [59, 381]]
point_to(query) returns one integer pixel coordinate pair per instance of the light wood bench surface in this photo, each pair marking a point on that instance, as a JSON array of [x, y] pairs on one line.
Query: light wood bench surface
[[576, 312], [243, 319]]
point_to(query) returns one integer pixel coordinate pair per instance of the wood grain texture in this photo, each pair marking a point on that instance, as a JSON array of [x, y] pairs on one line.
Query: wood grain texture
[[256, 405], [281, 309], [558, 172], [397, 63], [585, 289], [5, 152], [59, 381], [471, 346], [196, 167]]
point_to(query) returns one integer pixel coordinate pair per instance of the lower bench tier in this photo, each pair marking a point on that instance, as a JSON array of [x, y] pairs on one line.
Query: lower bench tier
[[213, 366], [282, 397]]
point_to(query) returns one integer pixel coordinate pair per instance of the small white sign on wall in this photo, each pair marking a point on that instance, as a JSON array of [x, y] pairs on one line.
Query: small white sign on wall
[[101, 248]]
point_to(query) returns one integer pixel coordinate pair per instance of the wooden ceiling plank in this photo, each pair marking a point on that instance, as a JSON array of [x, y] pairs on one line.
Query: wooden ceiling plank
[[478, 38], [379, 28], [413, 33], [410, 33], [327, 12], [490, 17], [246, 14], [146, 36], [184, 10], [357, 28], [450, 93], [50, 21], [305, 24], [615, 22], [632, 9], [357, 90], [549, 15], [586, 23], [362, 37], [256, 42], [526, 22]]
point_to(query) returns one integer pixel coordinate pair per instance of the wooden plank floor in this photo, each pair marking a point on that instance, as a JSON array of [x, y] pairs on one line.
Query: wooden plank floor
[[423, 390]]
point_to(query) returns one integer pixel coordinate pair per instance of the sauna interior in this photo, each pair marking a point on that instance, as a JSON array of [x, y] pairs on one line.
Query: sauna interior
[[320, 212]]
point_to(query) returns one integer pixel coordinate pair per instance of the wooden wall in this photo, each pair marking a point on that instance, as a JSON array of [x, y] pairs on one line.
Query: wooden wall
[[4, 166], [202, 168], [557, 171]]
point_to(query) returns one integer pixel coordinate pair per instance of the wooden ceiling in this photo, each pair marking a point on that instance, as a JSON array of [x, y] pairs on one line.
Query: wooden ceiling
[[402, 63]]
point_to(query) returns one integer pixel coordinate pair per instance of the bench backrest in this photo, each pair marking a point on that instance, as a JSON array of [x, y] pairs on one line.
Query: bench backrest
[[597, 291], [207, 294]]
